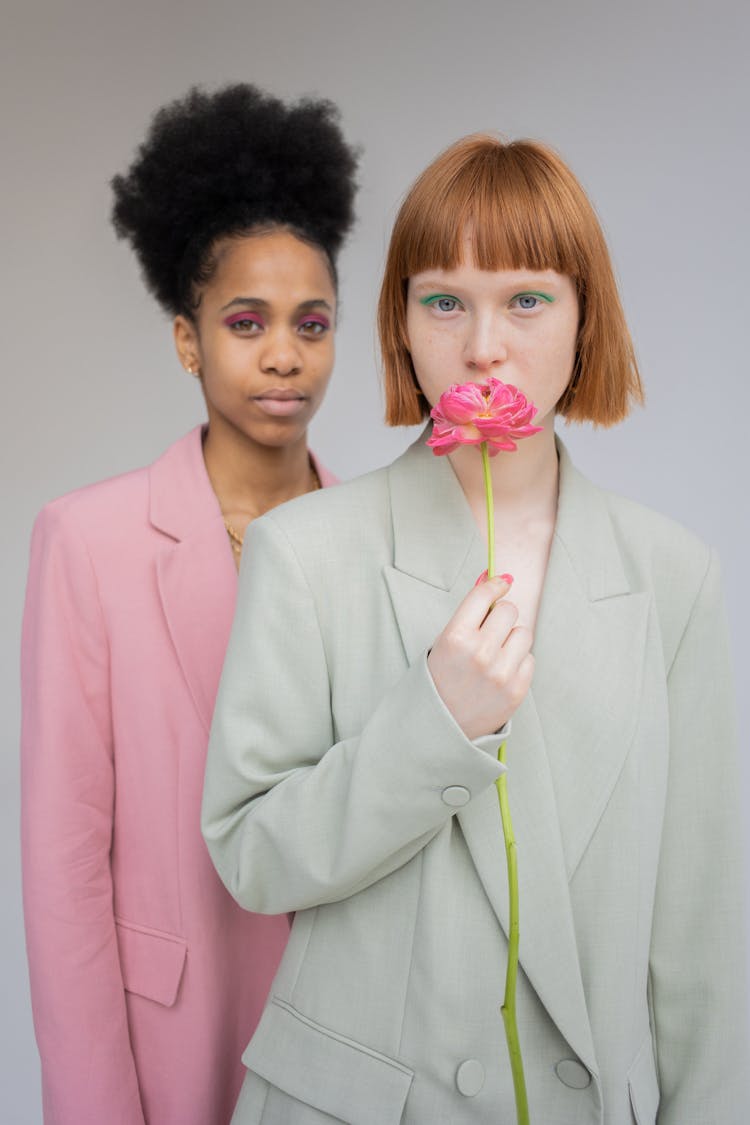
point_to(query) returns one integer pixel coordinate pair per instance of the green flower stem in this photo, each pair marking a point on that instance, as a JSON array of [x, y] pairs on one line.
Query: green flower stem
[[490, 511], [508, 1009]]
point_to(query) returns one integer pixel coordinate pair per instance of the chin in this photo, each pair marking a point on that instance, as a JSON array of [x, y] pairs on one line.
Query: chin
[[280, 436]]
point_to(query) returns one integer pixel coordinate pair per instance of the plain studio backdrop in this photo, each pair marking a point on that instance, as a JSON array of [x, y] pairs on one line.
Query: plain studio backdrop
[[647, 101]]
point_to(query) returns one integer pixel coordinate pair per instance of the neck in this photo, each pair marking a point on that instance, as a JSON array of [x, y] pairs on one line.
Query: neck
[[523, 482], [250, 479]]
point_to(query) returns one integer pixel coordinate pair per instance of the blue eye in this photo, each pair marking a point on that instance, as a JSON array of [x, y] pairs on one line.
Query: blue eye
[[530, 301], [442, 302]]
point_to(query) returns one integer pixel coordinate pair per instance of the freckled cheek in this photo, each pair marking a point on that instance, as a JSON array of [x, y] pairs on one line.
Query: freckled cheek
[[425, 358], [434, 347], [564, 355], [554, 349]]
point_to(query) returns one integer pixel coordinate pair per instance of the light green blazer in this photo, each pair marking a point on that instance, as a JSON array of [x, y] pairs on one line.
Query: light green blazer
[[338, 786]]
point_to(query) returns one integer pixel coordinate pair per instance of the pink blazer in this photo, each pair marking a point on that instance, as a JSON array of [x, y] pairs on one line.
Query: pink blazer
[[147, 980]]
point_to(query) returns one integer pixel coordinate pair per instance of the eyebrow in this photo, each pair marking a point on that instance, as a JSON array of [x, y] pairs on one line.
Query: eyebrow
[[428, 283], [533, 278], [435, 285], [258, 303]]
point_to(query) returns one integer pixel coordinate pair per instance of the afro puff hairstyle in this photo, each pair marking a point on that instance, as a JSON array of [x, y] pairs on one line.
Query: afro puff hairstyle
[[226, 164]]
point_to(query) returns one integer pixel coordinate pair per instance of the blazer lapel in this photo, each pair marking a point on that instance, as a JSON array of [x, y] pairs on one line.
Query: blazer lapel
[[570, 737], [438, 553], [196, 575], [589, 649]]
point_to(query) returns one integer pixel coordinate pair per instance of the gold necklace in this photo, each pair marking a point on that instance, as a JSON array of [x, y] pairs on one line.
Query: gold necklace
[[236, 540]]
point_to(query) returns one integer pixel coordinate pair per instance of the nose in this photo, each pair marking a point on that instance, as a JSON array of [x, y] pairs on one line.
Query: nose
[[281, 353], [486, 345]]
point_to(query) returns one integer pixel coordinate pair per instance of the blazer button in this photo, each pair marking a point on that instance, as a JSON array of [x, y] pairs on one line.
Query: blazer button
[[470, 1077], [573, 1074], [455, 796]]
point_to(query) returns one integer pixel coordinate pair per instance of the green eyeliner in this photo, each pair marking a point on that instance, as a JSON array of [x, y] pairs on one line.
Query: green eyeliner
[[436, 297], [433, 297]]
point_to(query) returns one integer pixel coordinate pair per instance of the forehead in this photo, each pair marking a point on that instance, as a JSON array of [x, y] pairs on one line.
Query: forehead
[[271, 255], [274, 265]]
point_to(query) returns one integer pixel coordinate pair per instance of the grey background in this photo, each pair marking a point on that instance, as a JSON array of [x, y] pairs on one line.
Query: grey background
[[649, 104]]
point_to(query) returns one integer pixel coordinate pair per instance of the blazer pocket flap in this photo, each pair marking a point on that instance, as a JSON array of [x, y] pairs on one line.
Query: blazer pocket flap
[[325, 1070], [644, 1085], [151, 962]]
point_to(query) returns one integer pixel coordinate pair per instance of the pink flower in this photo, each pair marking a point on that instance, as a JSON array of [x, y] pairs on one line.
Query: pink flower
[[470, 413]]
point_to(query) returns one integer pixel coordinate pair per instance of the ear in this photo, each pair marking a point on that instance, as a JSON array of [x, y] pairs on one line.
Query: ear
[[187, 344]]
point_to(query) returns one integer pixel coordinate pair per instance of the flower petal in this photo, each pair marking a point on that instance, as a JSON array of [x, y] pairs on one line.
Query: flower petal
[[471, 413]]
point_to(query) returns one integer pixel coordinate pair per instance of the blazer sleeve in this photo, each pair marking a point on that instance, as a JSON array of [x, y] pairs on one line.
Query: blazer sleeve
[[294, 817], [68, 788], [697, 976]]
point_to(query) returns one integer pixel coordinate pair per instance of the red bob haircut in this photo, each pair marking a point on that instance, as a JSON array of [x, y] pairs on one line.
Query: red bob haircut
[[526, 210]]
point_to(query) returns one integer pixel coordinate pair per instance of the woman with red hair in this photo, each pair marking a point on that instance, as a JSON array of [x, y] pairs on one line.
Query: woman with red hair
[[350, 777]]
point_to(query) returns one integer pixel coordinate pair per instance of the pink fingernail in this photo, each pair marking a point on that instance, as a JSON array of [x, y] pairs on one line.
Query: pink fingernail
[[507, 578], [482, 578]]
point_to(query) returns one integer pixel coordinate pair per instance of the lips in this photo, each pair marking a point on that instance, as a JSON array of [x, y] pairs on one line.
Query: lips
[[280, 401], [280, 394]]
